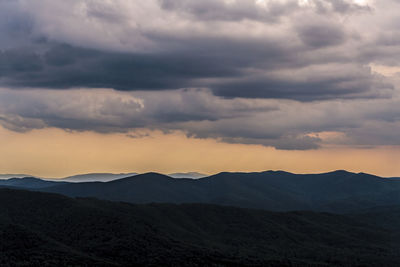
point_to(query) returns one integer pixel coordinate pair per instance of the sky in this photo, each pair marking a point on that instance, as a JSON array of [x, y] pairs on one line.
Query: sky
[[185, 85]]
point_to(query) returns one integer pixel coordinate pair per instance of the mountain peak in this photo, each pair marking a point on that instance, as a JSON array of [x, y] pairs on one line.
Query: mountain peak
[[340, 172], [143, 177]]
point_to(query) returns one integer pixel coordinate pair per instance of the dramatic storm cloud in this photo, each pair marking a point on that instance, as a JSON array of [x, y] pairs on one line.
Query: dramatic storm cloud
[[282, 73]]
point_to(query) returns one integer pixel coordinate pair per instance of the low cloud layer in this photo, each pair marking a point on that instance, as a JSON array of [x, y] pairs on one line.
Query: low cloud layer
[[200, 114], [284, 73]]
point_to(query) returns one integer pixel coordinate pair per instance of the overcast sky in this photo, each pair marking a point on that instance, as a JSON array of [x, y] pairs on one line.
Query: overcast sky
[[287, 75]]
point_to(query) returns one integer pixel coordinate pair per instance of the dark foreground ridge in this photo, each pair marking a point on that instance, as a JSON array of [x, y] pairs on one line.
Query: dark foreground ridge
[[39, 229], [339, 191]]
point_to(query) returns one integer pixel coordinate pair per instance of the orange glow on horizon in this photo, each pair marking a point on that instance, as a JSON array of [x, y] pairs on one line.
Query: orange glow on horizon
[[57, 153]]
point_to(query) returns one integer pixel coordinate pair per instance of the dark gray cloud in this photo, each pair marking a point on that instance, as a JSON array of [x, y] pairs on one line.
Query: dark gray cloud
[[231, 47], [15, 25], [64, 66], [309, 86], [224, 71], [317, 35], [339, 6], [269, 11], [284, 142], [283, 73], [231, 10]]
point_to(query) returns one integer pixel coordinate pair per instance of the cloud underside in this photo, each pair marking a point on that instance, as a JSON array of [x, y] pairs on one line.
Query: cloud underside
[[283, 124], [289, 74], [227, 74]]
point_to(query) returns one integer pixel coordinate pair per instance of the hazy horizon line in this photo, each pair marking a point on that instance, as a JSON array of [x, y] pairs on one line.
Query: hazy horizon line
[[22, 175]]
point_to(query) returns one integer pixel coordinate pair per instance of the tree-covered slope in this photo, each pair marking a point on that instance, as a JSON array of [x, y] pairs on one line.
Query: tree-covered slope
[[41, 228]]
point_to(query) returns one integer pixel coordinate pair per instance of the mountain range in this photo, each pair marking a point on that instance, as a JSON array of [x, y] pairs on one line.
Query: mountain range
[[100, 177], [338, 191]]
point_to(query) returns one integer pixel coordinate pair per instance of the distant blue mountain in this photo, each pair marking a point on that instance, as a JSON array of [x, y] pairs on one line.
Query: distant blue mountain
[[96, 177], [9, 176], [107, 177], [28, 182]]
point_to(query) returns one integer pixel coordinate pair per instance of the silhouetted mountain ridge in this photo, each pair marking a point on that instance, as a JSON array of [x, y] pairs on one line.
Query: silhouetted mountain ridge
[[338, 191]]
